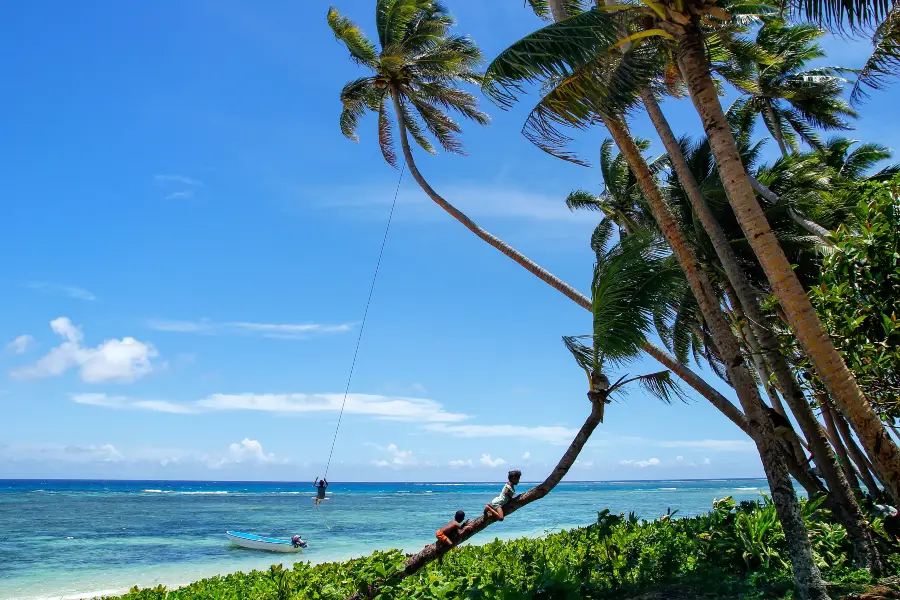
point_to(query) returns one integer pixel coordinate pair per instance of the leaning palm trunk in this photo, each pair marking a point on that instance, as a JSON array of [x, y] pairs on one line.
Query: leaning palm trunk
[[801, 315], [432, 552], [862, 465], [838, 444], [666, 359], [807, 578], [761, 337]]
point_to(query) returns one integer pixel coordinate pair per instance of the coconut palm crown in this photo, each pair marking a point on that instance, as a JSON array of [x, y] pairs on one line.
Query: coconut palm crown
[[420, 63], [792, 99]]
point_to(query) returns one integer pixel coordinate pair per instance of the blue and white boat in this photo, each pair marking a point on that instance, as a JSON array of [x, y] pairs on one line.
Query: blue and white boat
[[256, 542]]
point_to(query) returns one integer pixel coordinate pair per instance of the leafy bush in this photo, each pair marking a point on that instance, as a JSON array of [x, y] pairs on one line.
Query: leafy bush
[[730, 552], [858, 298]]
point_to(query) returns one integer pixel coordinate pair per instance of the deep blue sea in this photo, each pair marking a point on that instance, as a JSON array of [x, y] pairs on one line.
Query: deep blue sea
[[70, 538]]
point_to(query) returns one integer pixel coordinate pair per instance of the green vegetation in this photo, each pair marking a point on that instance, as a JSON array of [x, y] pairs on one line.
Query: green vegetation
[[858, 298], [730, 552]]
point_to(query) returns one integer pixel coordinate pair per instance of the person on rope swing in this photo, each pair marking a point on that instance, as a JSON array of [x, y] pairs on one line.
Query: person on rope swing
[[495, 508], [449, 534], [320, 485]]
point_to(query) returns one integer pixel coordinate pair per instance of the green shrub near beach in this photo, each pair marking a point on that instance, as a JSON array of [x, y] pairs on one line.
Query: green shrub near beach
[[730, 552]]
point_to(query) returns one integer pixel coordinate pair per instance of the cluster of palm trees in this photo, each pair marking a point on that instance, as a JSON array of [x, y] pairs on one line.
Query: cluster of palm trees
[[714, 251]]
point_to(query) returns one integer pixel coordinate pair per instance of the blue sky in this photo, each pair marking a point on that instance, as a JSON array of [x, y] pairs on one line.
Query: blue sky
[[189, 241]]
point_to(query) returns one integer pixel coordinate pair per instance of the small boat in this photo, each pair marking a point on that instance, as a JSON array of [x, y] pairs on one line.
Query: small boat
[[255, 542]]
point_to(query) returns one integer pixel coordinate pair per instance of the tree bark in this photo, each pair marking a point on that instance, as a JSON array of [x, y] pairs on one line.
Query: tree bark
[[862, 465], [558, 10], [761, 338], [839, 447], [434, 551], [807, 578], [801, 315]]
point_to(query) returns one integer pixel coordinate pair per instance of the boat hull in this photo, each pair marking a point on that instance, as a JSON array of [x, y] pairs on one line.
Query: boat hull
[[255, 542]]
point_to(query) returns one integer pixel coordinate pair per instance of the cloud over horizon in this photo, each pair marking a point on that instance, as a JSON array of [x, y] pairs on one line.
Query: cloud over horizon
[[288, 331], [113, 361]]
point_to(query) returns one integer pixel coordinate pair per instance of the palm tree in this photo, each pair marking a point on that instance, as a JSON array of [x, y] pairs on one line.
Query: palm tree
[[885, 59], [401, 72], [631, 284], [555, 51], [621, 200], [792, 100]]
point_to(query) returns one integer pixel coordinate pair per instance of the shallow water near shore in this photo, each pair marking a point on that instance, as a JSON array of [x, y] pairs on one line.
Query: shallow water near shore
[[82, 538]]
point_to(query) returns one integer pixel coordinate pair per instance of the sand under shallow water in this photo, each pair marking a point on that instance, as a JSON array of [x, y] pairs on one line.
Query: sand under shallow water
[[77, 539]]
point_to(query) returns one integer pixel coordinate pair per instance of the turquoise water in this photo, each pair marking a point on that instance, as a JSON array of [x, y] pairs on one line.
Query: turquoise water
[[76, 538]]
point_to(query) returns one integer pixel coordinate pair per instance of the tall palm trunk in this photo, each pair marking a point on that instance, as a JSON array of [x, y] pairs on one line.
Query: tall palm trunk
[[849, 513], [434, 551], [801, 315], [807, 578]]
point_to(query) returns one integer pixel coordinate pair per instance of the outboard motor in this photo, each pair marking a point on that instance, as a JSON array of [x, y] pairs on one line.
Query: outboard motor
[[297, 542]]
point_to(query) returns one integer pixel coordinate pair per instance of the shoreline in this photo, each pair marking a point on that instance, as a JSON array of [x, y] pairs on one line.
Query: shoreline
[[265, 560]]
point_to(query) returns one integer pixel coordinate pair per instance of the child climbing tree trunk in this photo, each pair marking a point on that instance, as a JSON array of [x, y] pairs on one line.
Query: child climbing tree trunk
[[434, 551]]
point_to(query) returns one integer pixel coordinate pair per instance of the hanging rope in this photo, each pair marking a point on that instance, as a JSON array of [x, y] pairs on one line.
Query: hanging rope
[[365, 314]]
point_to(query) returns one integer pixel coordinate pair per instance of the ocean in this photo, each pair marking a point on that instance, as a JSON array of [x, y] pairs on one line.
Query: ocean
[[75, 539]]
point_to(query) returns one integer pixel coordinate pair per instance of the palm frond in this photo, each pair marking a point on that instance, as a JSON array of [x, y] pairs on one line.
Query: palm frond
[[582, 353], [855, 15], [450, 98], [356, 97], [362, 51], [441, 126], [884, 62], [582, 200], [386, 137], [607, 85], [554, 51], [632, 281], [601, 236], [660, 385]]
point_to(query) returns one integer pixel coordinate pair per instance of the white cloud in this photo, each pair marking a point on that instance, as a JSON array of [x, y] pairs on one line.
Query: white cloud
[[73, 453], [553, 435], [398, 458], [385, 407], [717, 445], [487, 461], [58, 288], [124, 403], [586, 464], [243, 452], [112, 361], [289, 331], [460, 463], [679, 458], [526, 456], [20, 345], [706, 461], [652, 462], [249, 450]]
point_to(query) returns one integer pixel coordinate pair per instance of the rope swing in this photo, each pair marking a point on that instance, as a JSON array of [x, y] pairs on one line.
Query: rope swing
[[365, 315]]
